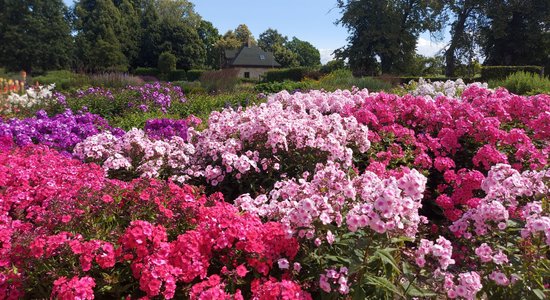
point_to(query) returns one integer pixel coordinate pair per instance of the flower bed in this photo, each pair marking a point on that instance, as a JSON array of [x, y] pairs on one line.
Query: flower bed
[[310, 195]]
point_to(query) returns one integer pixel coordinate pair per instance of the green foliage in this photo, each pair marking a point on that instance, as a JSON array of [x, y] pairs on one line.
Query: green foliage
[[244, 35], [500, 72], [516, 33], [177, 75], [293, 74], [385, 31], [184, 42], [426, 66], [285, 56], [218, 81], [138, 119], [308, 55], [35, 35], [193, 75], [275, 87], [269, 38], [150, 35], [524, 83], [344, 79], [98, 47], [333, 65], [146, 72], [201, 105], [209, 36], [190, 88], [167, 63], [63, 80]]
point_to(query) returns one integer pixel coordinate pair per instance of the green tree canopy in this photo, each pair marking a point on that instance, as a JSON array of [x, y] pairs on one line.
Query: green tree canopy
[[308, 55], [184, 42], [98, 47], [209, 36], [269, 38], [244, 35], [383, 33], [35, 35], [517, 33]]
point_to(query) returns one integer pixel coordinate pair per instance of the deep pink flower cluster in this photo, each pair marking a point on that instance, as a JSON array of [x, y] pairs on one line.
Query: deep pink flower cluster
[[62, 215]]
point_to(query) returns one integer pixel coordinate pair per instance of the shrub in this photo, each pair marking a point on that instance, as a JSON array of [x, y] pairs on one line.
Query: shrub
[[501, 72], [292, 74], [344, 79], [177, 75], [275, 87], [219, 81], [167, 63], [146, 72], [63, 80], [524, 83], [194, 75]]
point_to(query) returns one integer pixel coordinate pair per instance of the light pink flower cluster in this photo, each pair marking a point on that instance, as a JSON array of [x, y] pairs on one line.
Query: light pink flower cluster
[[503, 187], [442, 251], [469, 284], [137, 154], [332, 278], [304, 206], [259, 138]]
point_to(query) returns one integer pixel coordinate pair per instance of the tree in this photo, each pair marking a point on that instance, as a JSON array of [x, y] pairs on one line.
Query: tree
[[98, 48], [209, 36], [184, 42], [517, 33], [467, 16], [174, 11], [228, 41], [383, 33], [308, 55], [128, 31], [150, 35], [285, 57], [35, 35], [269, 38], [244, 35], [167, 63]]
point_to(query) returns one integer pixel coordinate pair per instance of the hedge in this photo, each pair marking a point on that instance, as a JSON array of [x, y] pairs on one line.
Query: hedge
[[147, 72], [194, 75], [293, 74], [501, 72]]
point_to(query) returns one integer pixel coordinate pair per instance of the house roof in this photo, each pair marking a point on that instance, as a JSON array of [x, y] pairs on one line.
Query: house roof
[[252, 56]]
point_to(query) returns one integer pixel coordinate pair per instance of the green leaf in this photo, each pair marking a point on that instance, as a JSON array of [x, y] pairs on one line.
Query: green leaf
[[359, 294], [539, 293], [415, 291], [387, 258], [383, 283]]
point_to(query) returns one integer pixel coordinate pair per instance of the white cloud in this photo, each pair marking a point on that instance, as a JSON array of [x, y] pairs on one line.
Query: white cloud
[[427, 47], [326, 55]]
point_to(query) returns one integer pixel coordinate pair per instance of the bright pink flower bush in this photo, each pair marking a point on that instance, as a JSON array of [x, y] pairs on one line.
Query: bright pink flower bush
[[152, 237]]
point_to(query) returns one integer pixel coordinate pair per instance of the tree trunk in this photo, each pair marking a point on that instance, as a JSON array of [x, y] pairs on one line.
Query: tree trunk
[[458, 32]]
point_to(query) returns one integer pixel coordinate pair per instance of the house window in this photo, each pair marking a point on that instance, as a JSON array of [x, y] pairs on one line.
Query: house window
[[246, 74], [262, 57]]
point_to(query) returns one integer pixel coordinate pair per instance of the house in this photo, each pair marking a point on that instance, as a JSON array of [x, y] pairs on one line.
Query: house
[[251, 61]]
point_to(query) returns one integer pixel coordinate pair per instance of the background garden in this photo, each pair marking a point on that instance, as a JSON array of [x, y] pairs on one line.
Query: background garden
[[132, 167]]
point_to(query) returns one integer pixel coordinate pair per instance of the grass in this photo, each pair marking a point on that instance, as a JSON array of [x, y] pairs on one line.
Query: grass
[[524, 83]]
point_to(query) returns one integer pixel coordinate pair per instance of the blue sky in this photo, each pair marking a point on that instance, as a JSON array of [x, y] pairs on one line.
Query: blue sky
[[309, 20]]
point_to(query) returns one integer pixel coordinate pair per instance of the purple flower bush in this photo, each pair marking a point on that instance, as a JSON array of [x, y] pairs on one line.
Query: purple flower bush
[[61, 132], [164, 129], [156, 94]]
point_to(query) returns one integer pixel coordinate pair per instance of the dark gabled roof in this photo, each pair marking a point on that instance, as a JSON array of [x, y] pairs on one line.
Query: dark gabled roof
[[251, 56]]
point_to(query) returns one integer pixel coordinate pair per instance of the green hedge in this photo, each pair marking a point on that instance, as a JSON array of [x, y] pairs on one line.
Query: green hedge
[[524, 83], [501, 72], [147, 72], [177, 75], [293, 74], [194, 75], [275, 87]]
